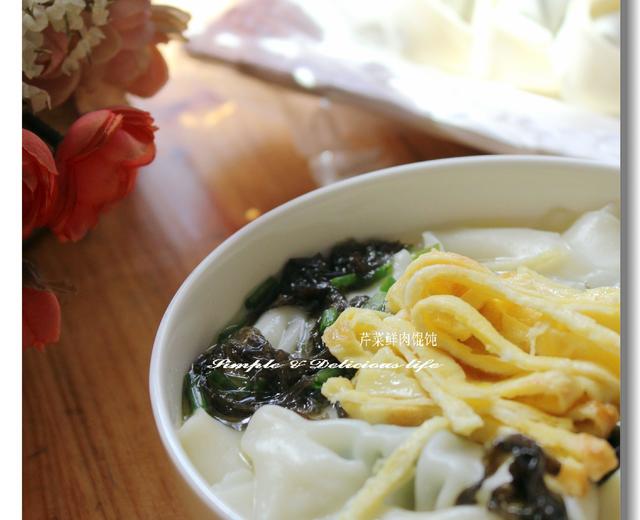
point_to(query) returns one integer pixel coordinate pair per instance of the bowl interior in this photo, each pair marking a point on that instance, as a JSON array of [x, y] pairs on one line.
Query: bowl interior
[[391, 203]]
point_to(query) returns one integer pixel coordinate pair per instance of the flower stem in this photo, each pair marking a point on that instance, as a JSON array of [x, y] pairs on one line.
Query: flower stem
[[35, 237], [36, 125]]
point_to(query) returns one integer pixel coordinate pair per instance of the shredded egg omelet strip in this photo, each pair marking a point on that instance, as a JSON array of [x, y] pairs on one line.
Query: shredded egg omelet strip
[[515, 351]]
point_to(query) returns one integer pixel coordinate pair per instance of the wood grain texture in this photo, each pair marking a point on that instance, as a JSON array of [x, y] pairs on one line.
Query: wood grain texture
[[229, 147]]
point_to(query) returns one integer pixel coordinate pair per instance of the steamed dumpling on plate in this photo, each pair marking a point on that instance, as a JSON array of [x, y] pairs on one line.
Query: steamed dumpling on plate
[[588, 55], [518, 37], [562, 48], [437, 33]]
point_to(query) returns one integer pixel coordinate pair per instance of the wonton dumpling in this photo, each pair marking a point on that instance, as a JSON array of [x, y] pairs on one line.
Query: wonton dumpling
[[284, 327], [451, 513], [594, 240], [585, 507], [303, 470], [448, 465], [588, 253], [309, 469], [198, 434], [236, 491], [504, 249]]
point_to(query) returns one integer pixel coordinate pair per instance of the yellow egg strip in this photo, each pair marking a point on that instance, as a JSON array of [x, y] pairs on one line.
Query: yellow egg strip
[[484, 362], [504, 410], [516, 352], [395, 295], [573, 478], [600, 338], [561, 388], [403, 412], [462, 416], [497, 344], [594, 418]]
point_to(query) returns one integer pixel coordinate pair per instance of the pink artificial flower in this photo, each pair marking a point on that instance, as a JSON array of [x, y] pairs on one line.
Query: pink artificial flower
[[125, 61]]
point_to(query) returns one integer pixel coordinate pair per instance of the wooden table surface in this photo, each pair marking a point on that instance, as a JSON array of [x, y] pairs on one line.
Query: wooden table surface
[[229, 148]]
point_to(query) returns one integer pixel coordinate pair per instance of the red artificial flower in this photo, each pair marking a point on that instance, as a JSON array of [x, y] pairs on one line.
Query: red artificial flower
[[40, 318], [98, 161], [39, 182]]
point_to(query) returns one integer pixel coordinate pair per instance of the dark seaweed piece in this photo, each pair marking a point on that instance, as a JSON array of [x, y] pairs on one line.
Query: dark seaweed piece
[[306, 282], [359, 301], [358, 264], [468, 496], [526, 497], [361, 258], [221, 382], [340, 412], [316, 282], [614, 440]]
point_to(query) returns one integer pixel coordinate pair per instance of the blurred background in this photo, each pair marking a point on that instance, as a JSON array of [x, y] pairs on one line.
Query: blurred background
[[370, 85], [265, 101]]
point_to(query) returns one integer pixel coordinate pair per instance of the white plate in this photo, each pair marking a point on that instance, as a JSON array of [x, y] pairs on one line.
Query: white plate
[[310, 46], [387, 203]]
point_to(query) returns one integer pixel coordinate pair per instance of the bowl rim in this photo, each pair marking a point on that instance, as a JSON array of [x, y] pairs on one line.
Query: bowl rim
[[161, 414]]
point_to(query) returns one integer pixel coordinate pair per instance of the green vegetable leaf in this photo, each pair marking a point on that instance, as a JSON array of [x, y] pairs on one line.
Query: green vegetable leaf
[[345, 281], [381, 272], [262, 295], [229, 330], [387, 283], [323, 375], [192, 397], [327, 318]]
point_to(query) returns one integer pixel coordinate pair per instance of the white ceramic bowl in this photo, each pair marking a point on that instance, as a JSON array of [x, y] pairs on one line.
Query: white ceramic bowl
[[387, 203]]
